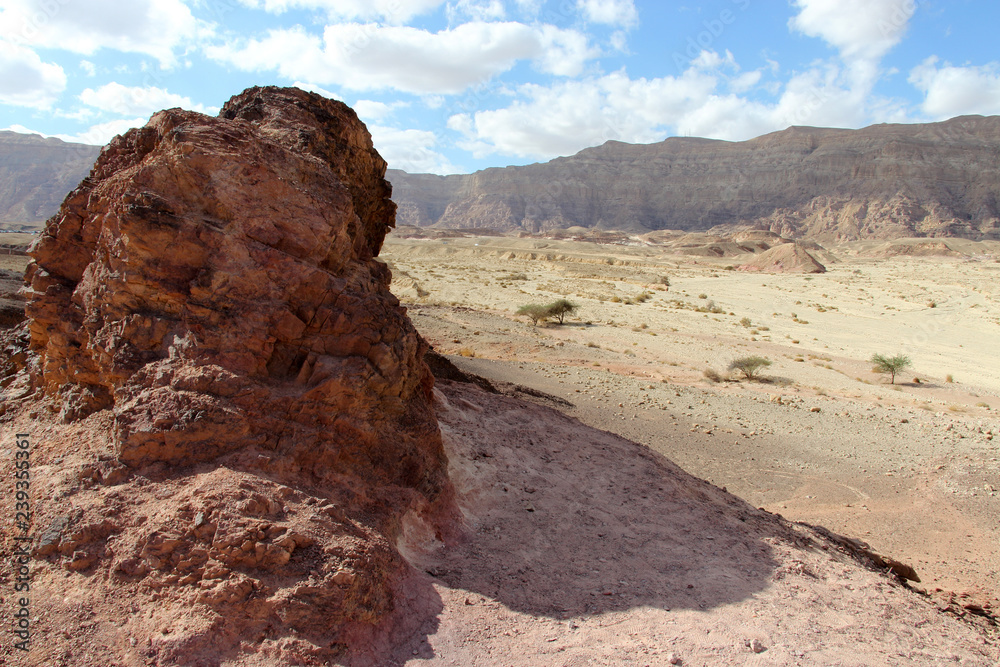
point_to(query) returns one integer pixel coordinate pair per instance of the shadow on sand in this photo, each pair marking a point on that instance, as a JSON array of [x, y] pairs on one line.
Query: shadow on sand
[[564, 520]]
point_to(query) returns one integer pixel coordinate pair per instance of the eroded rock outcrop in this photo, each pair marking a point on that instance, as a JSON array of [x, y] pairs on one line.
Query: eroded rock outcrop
[[210, 298]]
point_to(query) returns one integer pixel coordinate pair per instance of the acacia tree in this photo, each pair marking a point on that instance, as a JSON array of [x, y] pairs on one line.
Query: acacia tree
[[561, 308], [749, 366], [534, 312], [890, 365]]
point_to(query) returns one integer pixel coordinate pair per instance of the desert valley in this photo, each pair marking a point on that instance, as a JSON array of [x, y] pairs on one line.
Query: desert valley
[[292, 434]]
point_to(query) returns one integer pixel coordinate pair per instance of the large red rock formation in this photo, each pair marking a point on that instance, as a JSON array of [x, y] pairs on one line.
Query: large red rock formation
[[211, 295], [213, 283]]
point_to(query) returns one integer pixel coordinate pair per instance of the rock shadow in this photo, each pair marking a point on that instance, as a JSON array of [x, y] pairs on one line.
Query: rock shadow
[[566, 520]]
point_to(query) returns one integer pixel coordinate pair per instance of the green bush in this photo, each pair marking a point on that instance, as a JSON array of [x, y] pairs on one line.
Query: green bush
[[749, 366], [560, 308], [535, 312], [890, 365]]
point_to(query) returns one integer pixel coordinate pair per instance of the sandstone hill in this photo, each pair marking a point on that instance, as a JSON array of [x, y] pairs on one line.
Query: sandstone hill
[[239, 456], [881, 182], [36, 173]]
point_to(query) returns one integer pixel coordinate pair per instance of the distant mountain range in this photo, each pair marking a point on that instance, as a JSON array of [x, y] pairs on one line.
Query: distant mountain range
[[36, 174], [883, 181]]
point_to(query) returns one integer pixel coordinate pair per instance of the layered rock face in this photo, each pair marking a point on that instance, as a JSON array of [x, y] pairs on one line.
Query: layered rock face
[[884, 181], [213, 283]]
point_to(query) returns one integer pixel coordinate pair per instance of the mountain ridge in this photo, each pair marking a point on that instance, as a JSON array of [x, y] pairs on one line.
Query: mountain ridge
[[37, 172], [882, 181]]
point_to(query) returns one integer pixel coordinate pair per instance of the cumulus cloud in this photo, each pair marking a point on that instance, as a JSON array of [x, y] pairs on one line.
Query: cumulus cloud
[[153, 27], [612, 12], [369, 110], [953, 91], [96, 135], [862, 30], [477, 10], [372, 56], [26, 80], [393, 11], [138, 100], [705, 101], [410, 150]]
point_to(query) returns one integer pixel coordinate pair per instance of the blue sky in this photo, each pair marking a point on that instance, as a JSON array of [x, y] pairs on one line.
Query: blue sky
[[451, 86]]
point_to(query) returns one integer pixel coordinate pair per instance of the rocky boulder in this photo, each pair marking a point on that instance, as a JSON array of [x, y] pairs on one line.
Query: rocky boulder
[[210, 297]]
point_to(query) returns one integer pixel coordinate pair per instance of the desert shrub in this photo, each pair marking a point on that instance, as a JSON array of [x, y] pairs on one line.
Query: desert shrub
[[702, 296], [536, 312], [712, 375], [949, 378], [890, 365], [560, 308], [643, 297], [749, 366], [746, 322], [467, 352]]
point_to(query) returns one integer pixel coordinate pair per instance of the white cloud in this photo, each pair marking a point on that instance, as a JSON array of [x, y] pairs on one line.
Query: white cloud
[[612, 12], [862, 30], [153, 27], [393, 11], [96, 135], [477, 10], [313, 88], [410, 150], [373, 57], [370, 110], [566, 117], [25, 80], [547, 121], [138, 100], [88, 67], [954, 91], [102, 133]]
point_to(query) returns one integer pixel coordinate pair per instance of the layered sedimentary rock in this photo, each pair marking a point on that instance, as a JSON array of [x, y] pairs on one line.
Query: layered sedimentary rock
[[210, 295], [214, 283], [884, 181]]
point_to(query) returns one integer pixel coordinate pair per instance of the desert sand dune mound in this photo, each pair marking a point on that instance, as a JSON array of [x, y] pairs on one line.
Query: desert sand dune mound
[[785, 258]]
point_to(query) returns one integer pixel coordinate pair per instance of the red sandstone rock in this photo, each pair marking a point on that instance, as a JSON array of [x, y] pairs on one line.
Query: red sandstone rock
[[211, 293]]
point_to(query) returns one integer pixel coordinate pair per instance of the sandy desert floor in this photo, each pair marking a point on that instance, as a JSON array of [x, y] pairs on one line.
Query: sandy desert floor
[[911, 468]]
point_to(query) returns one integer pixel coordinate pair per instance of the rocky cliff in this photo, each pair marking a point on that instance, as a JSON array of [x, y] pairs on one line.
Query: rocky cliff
[[884, 181], [209, 303], [36, 173]]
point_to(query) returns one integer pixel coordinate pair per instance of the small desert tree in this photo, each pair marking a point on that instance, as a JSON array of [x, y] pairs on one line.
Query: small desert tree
[[749, 366], [535, 312], [890, 365], [561, 308]]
